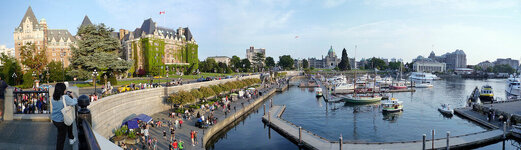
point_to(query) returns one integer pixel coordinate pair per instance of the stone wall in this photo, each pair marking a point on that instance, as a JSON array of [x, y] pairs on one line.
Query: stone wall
[[109, 112]]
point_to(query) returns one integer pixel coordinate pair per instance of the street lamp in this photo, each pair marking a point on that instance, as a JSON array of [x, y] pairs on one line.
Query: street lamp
[[48, 76], [34, 79], [94, 75], [63, 63]]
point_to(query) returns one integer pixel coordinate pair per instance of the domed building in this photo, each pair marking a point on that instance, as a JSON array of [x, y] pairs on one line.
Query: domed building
[[329, 62]]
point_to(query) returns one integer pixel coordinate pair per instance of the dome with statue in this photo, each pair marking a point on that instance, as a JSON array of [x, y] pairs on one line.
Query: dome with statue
[[331, 52]]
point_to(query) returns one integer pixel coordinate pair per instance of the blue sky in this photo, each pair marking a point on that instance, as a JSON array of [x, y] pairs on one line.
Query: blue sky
[[485, 30]]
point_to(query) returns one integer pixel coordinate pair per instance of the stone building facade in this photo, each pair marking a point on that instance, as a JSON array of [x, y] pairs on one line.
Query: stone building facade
[[221, 59], [251, 52], [329, 62], [56, 43]]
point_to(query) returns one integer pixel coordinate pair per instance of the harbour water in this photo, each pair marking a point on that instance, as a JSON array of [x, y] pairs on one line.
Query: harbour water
[[364, 123]]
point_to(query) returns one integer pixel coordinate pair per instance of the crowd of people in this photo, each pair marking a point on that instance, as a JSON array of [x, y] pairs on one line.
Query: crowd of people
[[31, 103]]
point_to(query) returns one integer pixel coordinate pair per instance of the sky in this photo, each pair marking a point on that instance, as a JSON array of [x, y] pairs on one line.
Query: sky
[[485, 30]]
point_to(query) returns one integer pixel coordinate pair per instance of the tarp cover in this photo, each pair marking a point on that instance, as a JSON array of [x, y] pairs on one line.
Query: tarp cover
[[131, 124], [144, 118]]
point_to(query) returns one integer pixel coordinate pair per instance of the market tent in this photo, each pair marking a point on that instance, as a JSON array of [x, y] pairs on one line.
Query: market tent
[[131, 124], [144, 118]]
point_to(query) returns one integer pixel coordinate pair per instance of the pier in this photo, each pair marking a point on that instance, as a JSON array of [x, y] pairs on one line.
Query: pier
[[312, 141]]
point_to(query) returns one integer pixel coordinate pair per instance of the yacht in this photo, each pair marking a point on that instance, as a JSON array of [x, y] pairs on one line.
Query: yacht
[[422, 76], [486, 94], [343, 88], [513, 86]]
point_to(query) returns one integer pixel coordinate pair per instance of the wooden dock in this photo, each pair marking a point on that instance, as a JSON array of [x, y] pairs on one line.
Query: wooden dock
[[313, 141]]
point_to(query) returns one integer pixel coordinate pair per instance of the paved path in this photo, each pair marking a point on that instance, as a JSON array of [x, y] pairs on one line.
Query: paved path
[[189, 125], [313, 141], [508, 107], [478, 118], [29, 135]]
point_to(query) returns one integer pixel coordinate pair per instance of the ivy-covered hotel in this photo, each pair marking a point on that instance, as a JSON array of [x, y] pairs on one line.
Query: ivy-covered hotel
[[155, 49]]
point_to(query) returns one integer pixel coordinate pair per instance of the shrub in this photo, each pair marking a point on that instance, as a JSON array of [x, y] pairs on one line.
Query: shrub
[[225, 87], [216, 89], [118, 132], [196, 93], [207, 92], [181, 97], [132, 135]]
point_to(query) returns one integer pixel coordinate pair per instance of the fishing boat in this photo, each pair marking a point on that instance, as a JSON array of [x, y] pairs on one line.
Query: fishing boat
[[486, 94], [392, 105], [318, 91], [446, 110], [362, 99]]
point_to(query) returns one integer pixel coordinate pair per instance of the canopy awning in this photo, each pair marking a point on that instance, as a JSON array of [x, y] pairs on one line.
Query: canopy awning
[[144, 118]]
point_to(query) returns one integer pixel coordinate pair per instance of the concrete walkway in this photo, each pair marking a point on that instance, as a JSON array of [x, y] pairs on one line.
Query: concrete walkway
[[313, 141], [29, 135], [189, 125]]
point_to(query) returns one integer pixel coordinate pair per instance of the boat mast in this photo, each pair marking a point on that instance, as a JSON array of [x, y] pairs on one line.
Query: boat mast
[[354, 79], [374, 79]]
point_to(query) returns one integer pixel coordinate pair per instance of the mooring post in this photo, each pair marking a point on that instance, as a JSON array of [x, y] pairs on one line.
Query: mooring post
[[504, 130], [424, 137], [448, 137], [340, 142], [300, 135], [264, 108], [271, 102], [432, 138], [269, 118]]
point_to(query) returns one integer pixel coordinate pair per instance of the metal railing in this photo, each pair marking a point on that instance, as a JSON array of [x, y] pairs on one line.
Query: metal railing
[[31, 102], [86, 137]]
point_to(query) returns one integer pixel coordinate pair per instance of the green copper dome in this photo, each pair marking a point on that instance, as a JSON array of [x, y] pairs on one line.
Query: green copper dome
[[331, 50]]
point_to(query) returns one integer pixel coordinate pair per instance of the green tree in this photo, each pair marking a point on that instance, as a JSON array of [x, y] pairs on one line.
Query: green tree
[[478, 68], [258, 60], [56, 71], [503, 68], [96, 49], [10, 67], [286, 62], [269, 62], [305, 63], [344, 62], [246, 65], [235, 62], [32, 58], [376, 63], [395, 65], [490, 69]]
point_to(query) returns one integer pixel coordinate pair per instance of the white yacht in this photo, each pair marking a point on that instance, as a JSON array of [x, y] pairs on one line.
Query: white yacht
[[513, 86], [422, 76], [343, 88]]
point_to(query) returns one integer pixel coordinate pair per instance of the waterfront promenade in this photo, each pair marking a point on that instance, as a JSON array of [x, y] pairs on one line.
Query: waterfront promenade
[[242, 106], [21, 134], [313, 141]]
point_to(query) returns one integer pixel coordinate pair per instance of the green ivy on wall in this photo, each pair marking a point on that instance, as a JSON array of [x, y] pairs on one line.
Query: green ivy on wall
[[153, 53]]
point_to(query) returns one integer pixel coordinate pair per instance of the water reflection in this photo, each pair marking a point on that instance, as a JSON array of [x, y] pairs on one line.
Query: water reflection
[[391, 116]]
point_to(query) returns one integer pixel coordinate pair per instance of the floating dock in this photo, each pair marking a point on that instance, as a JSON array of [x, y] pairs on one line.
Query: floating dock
[[312, 141]]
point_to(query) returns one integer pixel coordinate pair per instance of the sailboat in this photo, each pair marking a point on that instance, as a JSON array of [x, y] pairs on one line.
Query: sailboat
[[365, 98]]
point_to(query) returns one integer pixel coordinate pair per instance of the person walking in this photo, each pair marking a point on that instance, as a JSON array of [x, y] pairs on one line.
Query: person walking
[[175, 145], [180, 145], [180, 123], [57, 116], [3, 86], [155, 143], [192, 137]]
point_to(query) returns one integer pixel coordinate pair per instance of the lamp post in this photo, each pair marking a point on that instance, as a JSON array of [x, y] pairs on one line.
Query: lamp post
[[94, 75], [48, 76], [34, 79], [63, 63]]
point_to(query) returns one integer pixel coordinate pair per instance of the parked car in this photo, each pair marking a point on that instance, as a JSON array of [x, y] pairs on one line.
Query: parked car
[[229, 77], [202, 79], [124, 88]]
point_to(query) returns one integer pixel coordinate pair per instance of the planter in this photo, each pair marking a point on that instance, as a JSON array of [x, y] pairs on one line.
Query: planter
[[130, 141]]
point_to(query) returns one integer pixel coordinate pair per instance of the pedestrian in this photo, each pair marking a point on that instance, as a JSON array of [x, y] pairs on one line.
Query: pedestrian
[[180, 144], [172, 134], [59, 97], [176, 124], [164, 134], [3, 86], [195, 137], [146, 133], [175, 145], [155, 143], [180, 123], [192, 137], [169, 145]]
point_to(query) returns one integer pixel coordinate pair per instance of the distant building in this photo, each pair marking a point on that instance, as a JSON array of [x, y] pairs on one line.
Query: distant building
[[297, 63], [507, 61], [56, 43], [7, 51], [329, 62], [484, 65], [428, 66], [456, 59], [251, 52], [221, 59]]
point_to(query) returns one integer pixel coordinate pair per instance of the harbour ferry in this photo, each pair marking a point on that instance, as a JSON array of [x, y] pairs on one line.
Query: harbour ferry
[[318, 91], [392, 105], [486, 94]]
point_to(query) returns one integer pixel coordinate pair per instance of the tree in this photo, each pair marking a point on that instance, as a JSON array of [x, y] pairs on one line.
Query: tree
[[258, 60], [10, 68], [376, 63], [56, 71], [286, 62], [32, 58], [503, 68], [478, 68], [235, 62], [344, 62], [305, 63], [96, 49], [269, 62], [395, 65], [246, 65]]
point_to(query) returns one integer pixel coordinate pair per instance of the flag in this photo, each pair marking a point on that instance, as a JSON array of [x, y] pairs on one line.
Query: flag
[[162, 12], [296, 37]]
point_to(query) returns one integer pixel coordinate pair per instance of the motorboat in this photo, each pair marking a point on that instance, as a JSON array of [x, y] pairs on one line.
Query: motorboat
[[337, 79], [398, 85], [422, 83], [343, 88], [513, 86], [422, 76], [318, 91], [446, 109], [392, 105], [486, 94], [362, 99]]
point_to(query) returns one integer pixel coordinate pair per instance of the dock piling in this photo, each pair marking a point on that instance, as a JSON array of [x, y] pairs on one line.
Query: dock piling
[[432, 138], [264, 109], [340, 141], [448, 137], [504, 130], [300, 135], [269, 118], [424, 137]]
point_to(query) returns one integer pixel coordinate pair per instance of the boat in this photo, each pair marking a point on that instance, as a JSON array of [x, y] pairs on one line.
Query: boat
[[422, 76], [343, 88], [362, 99], [398, 85], [423, 85], [486, 94], [392, 105], [446, 110], [318, 92], [513, 86]]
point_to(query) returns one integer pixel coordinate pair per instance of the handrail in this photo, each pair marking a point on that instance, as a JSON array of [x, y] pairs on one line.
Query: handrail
[[89, 137]]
